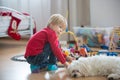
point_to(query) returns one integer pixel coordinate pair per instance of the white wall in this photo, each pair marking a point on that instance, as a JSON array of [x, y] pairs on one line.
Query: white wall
[[60, 6], [12, 3], [40, 9], [79, 13], [105, 13]]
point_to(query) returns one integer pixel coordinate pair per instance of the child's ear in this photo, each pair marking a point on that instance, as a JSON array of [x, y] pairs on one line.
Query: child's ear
[[51, 25]]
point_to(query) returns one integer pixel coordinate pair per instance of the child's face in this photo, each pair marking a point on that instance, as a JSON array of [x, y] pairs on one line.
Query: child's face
[[59, 28]]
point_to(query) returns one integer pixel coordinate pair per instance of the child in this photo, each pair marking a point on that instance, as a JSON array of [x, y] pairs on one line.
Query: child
[[43, 48]]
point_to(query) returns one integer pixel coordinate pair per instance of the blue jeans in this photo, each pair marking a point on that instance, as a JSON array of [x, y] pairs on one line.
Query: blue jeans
[[44, 58]]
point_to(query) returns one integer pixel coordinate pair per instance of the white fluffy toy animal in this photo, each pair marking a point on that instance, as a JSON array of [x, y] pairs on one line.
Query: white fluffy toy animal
[[96, 66]]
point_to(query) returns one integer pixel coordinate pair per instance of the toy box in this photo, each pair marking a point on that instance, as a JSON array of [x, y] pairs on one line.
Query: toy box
[[97, 37]]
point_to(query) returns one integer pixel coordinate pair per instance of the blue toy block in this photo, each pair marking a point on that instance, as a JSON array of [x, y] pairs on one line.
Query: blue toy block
[[103, 52], [112, 54], [107, 53]]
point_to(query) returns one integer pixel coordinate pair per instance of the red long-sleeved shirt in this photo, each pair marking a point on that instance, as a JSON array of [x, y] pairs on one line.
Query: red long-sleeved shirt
[[36, 44]]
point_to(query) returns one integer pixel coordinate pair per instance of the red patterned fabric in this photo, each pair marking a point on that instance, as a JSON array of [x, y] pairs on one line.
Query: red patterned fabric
[[4, 13], [12, 29], [14, 23]]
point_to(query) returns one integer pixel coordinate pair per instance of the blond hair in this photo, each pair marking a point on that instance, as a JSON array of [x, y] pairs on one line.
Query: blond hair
[[57, 19]]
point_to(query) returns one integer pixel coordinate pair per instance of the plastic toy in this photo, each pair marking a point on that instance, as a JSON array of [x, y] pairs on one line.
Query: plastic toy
[[91, 53], [66, 53], [83, 52], [107, 53], [112, 47], [78, 48], [74, 37], [86, 47]]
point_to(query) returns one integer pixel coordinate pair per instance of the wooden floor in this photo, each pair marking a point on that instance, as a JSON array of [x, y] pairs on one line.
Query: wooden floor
[[15, 70]]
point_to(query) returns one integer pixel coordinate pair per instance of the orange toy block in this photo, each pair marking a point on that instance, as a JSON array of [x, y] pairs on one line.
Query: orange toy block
[[83, 52]]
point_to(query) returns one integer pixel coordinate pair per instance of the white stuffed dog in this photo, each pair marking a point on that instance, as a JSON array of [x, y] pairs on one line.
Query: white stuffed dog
[[96, 66]]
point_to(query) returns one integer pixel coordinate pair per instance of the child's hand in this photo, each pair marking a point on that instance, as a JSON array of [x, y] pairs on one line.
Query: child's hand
[[69, 59], [66, 64]]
